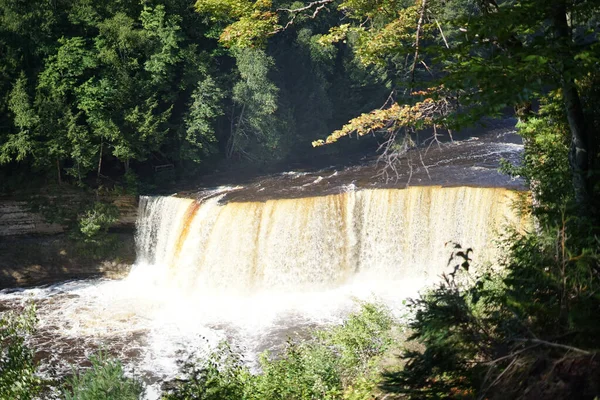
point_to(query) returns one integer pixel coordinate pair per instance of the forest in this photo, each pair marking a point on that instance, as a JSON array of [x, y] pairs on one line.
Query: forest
[[102, 97], [93, 92]]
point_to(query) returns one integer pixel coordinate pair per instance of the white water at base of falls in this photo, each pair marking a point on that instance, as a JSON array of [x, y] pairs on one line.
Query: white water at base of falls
[[151, 332], [255, 273]]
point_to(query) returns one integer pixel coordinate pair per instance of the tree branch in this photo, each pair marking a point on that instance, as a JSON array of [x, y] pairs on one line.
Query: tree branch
[[294, 12], [310, 5], [442, 33], [417, 40], [558, 345]]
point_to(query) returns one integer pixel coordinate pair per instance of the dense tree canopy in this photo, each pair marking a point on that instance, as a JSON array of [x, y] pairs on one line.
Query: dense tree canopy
[[90, 90]]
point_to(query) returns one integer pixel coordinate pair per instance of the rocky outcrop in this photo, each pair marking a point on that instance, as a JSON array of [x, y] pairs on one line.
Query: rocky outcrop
[[35, 252], [17, 219], [32, 261]]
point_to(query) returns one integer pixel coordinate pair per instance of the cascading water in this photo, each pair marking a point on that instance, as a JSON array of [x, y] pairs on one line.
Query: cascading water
[[316, 243], [258, 263]]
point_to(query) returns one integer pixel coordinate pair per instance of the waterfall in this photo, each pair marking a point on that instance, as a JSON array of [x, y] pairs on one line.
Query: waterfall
[[254, 273], [315, 243]]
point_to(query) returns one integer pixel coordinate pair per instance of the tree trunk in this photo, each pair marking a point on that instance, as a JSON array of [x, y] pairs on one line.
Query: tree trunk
[[100, 160], [231, 143], [578, 154], [58, 172], [579, 151], [417, 41]]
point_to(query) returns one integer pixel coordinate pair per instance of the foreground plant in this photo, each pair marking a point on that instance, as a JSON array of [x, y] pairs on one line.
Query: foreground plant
[[18, 380], [105, 380], [337, 363], [531, 329]]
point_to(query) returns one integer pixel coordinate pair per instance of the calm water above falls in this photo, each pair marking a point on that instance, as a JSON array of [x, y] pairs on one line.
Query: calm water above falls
[[256, 263]]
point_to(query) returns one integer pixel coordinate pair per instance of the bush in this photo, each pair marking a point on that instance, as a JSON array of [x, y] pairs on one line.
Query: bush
[[361, 338], [545, 163], [17, 368], [337, 363], [222, 375], [97, 219], [307, 370], [105, 380], [497, 335], [91, 233]]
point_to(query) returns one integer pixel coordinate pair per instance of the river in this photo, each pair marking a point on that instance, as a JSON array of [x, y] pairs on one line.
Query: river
[[258, 262]]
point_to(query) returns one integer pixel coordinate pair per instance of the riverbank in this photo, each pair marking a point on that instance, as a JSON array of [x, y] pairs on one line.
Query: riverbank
[[40, 260]]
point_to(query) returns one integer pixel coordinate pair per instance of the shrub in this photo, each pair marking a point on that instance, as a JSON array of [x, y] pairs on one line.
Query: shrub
[[18, 380], [91, 233], [336, 363], [97, 219], [497, 335], [361, 338], [222, 375], [308, 370], [105, 380]]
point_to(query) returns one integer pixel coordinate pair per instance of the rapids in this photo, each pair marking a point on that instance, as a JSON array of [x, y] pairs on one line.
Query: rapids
[[254, 265]]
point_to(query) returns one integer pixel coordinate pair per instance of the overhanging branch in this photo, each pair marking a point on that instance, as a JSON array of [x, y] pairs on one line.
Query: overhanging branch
[[315, 6]]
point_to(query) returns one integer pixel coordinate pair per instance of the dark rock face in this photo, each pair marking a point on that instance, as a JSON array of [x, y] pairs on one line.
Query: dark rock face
[[35, 252], [32, 261], [16, 218]]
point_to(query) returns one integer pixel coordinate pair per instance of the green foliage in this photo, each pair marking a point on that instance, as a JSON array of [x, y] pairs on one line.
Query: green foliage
[[205, 107], [361, 338], [94, 89], [164, 31], [18, 378], [222, 10], [251, 22], [453, 332], [105, 380], [304, 371], [545, 164], [258, 131], [337, 363], [488, 333], [328, 367], [88, 229], [19, 145], [552, 283], [109, 88], [98, 219], [222, 375]]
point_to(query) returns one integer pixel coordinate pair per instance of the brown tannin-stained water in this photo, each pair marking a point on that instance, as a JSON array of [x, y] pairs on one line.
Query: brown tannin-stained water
[[255, 263]]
